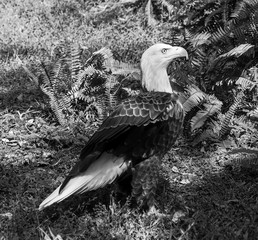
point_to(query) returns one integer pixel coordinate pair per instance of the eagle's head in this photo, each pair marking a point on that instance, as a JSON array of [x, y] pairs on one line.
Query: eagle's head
[[154, 63]]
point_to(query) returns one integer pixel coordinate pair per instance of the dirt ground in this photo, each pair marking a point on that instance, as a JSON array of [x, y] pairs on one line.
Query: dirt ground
[[201, 195]]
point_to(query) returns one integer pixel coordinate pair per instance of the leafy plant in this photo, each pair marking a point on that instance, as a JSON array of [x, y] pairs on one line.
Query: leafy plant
[[244, 158], [221, 38], [82, 88], [50, 236]]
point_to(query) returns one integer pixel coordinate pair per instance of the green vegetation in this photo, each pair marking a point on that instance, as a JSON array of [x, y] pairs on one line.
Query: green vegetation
[[66, 64]]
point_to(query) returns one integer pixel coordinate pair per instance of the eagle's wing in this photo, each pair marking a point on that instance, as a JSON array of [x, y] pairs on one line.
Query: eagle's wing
[[104, 157], [138, 112], [142, 110]]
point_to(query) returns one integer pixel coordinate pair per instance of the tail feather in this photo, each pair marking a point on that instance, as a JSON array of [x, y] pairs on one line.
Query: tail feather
[[100, 173]]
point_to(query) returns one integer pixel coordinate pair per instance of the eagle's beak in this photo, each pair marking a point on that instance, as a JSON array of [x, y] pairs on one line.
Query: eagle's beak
[[176, 52]]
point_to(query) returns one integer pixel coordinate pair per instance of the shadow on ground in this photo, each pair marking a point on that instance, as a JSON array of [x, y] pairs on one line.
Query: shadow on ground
[[215, 204]]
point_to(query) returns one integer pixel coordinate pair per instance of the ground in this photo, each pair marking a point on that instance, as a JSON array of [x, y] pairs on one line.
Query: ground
[[198, 196]]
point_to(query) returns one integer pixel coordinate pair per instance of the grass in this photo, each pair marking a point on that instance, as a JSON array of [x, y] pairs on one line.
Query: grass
[[198, 197]]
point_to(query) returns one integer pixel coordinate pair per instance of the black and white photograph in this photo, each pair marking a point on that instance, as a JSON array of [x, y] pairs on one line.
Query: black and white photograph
[[129, 120]]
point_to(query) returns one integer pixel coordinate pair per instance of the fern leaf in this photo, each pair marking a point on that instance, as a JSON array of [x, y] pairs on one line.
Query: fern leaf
[[238, 51], [230, 113], [54, 104], [81, 80], [106, 55], [244, 9], [194, 99], [253, 114], [220, 35], [120, 68], [46, 76], [76, 65], [245, 83], [200, 39], [199, 119], [244, 150], [244, 158], [102, 110], [210, 133], [149, 13], [105, 52]]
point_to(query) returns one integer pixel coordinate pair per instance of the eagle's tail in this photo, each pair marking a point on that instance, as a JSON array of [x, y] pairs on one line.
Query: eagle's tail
[[100, 173]]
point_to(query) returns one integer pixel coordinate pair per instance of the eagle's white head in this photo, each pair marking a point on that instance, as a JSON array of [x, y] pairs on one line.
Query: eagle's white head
[[154, 63]]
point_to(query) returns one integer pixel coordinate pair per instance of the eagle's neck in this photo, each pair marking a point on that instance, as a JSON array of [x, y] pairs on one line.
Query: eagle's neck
[[155, 79]]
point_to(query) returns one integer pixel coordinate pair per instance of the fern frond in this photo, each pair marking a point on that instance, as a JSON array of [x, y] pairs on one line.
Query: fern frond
[[81, 81], [57, 69], [247, 162], [150, 15], [65, 102], [199, 59], [230, 113], [220, 35], [101, 108], [44, 74], [60, 50], [244, 150], [210, 133], [100, 58], [121, 68], [106, 53], [239, 33], [210, 109], [200, 39], [238, 51], [54, 104], [254, 74], [245, 83], [192, 98], [253, 114], [76, 65], [111, 86], [245, 158], [243, 10]]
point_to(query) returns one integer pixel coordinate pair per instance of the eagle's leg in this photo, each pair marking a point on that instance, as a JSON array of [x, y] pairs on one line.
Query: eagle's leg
[[145, 181]]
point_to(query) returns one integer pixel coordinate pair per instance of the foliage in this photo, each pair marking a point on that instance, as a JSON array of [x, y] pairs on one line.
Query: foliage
[[219, 35], [226, 43], [81, 89], [221, 38], [50, 236], [204, 119], [244, 158]]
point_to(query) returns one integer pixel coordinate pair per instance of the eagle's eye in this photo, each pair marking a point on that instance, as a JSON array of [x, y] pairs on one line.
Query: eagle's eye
[[164, 50]]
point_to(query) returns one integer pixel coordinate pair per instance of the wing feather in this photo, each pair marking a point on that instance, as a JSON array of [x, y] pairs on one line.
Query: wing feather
[[131, 130], [149, 106], [102, 172], [128, 125]]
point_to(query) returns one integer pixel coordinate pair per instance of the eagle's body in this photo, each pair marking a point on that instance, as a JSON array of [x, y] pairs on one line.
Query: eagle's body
[[136, 135]]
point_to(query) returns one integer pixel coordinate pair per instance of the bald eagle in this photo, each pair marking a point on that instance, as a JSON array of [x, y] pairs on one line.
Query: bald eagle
[[134, 137]]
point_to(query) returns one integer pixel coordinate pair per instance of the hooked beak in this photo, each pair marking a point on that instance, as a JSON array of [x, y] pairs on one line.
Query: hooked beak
[[176, 52]]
